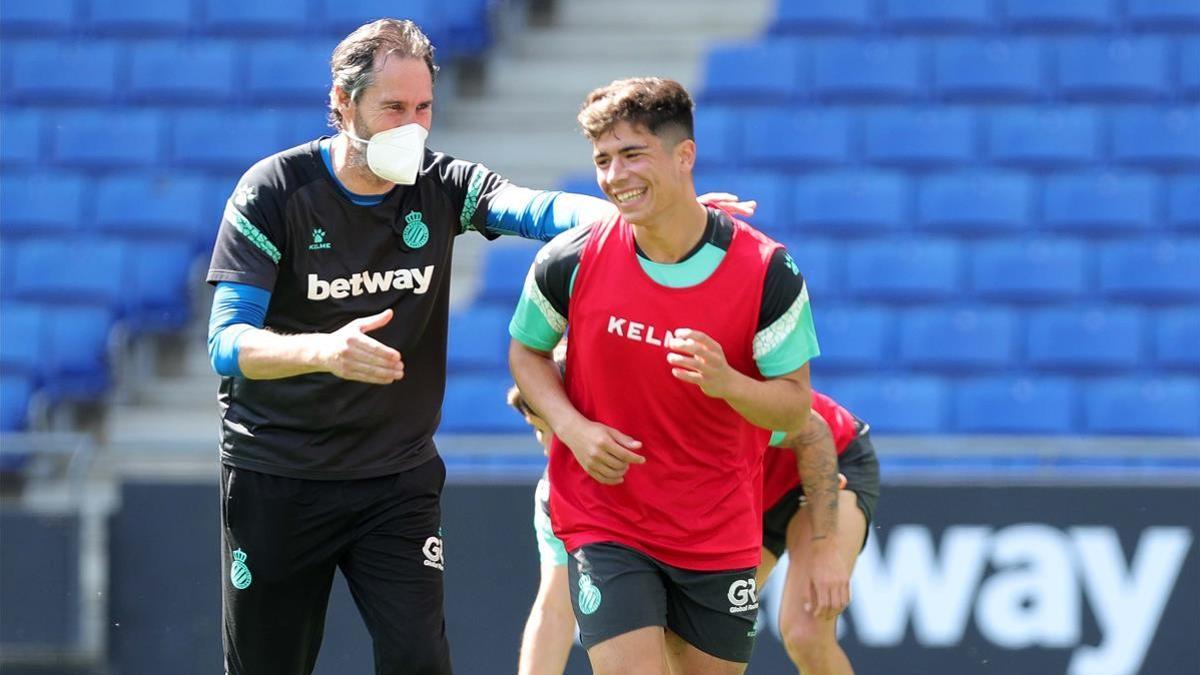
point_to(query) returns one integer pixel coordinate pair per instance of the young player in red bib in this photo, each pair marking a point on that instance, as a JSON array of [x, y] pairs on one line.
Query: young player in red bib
[[691, 334]]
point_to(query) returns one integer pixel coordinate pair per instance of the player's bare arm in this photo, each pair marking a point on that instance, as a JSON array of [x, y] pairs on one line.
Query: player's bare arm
[[603, 452], [781, 403], [348, 353], [816, 455]]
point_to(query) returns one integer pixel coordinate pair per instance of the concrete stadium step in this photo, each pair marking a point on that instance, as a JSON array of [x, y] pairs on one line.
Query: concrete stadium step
[[138, 426], [531, 159], [194, 391], [562, 79], [680, 15]]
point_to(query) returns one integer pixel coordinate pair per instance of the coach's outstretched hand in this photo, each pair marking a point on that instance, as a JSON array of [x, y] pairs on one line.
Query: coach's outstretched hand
[[603, 452], [351, 354]]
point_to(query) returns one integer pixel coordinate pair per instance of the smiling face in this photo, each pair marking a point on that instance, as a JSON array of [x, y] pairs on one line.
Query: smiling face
[[645, 174]]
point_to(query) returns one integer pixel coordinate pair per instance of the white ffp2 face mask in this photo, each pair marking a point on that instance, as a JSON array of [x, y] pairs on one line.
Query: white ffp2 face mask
[[396, 154]]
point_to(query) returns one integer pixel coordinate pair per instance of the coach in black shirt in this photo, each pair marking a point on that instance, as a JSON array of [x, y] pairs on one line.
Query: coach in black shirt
[[332, 268]]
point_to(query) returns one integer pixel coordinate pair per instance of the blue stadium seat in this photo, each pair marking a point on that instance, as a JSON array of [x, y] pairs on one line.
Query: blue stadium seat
[[1165, 138], [1093, 339], [1189, 67], [1138, 407], [583, 184], [820, 263], [1091, 203], [769, 190], [958, 340], [1183, 209], [504, 270], [1149, 272], [302, 125], [846, 202], [976, 202], [199, 71], [467, 28], [15, 391], [1177, 332], [289, 70], [1039, 137], [792, 138], [1123, 69], [69, 269], [768, 70], [1030, 271], [224, 139], [867, 70], [1060, 14], [166, 205], [920, 138], [42, 202], [476, 404], [972, 69], [1007, 405], [479, 339], [339, 17], [39, 19], [854, 337], [156, 277], [76, 351], [1164, 14], [21, 142], [718, 136], [904, 270], [814, 16], [894, 405], [140, 18], [238, 16], [939, 15], [21, 346], [8, 262], [62, 72], [109, 138]]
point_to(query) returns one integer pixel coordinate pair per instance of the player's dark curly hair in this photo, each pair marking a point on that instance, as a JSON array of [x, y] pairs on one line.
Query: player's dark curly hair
[[353, 62], [660, 105]]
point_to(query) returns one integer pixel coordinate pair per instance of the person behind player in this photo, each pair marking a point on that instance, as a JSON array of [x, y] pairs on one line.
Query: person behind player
[[822, 522], [690, 337], [835, 456]]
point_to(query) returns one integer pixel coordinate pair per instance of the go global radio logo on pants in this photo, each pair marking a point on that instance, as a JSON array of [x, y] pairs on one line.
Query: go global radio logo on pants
[[433, 553], [743, 596]]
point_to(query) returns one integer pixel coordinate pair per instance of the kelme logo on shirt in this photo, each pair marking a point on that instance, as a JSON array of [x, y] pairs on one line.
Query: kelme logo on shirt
[[416, 233], [415, 279], [589, 595], [319, 242], [791, 264], [239, 573]]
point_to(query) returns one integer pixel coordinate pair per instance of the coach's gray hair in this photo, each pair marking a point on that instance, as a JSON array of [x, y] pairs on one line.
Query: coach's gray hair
[[353, 62]]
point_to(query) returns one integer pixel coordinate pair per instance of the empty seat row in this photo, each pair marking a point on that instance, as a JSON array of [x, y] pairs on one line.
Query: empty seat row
[[457, 27], [850, 16], [793, 138], [877, 70], [977, 202]]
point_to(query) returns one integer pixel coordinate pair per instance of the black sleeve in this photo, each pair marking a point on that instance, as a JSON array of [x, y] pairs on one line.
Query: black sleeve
[[782, 286], [252, 235], [470, 186], [555, 265]]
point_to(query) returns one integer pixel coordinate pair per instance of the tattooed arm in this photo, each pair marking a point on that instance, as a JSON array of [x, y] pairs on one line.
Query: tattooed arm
[[816, 456]]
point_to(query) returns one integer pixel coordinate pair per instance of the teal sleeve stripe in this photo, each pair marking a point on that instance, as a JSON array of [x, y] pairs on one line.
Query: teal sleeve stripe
[[777, 438], [797, 347], [251, 232], [530, 327]]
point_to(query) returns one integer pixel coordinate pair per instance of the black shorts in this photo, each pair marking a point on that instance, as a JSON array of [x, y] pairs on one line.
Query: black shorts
[[858, 464], [281, 540], [615, 590]]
